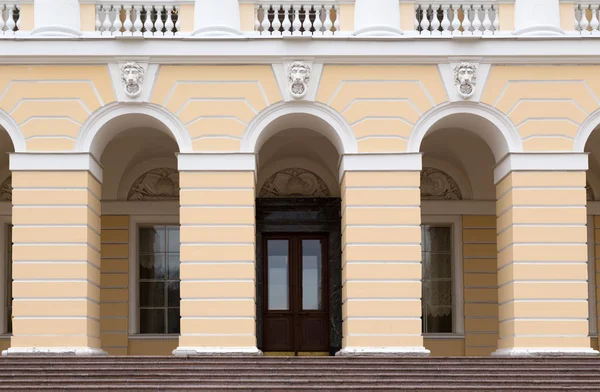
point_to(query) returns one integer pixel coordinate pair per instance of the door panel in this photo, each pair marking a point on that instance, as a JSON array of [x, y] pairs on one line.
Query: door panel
[[296, 317]]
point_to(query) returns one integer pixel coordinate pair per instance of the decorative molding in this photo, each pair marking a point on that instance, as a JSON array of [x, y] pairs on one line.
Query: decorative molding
[[132, 78], [294, 182], [438, 185], [540, 162], [298, 75], [69, 161], [6, 190], [465, 79], [156, 185]]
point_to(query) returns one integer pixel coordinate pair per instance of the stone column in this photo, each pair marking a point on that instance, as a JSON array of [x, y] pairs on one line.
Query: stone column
[[56, 18], [218, 294], [537, 18], [217, 18], [377, 18], [56, 253], [381, 259], [542, 255]]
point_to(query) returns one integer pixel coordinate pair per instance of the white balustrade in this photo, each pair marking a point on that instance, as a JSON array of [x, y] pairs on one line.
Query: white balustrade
[[9, 19], [587, 18], [296, 19], [456, 19], [137, 20]]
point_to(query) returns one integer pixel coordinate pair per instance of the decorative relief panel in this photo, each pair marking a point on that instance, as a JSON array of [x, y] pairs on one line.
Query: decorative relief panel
[[6, 190], [437, 185], [299, 77], [294, 183], [132, 78], [589, 192], [156, 185], [465, 79]]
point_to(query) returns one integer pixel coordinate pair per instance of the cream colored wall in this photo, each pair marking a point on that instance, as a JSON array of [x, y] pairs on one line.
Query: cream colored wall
[[445, 347], [114, 293]]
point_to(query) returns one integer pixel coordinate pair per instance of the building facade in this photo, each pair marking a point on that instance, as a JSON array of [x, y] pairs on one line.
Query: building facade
[[299, 177]]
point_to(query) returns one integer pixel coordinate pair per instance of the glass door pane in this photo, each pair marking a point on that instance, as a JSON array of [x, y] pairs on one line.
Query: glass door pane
[[278, 274], [312, 275]]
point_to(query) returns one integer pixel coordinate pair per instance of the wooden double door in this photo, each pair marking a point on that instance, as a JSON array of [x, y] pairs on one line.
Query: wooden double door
[[296, 305]]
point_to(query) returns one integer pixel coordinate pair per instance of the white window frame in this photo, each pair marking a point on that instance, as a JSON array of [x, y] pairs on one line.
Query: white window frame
[[591, 241], [458, 322], [135, 222]]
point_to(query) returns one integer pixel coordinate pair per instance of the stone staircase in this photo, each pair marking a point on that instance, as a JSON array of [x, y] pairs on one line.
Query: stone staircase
[[298, 374]]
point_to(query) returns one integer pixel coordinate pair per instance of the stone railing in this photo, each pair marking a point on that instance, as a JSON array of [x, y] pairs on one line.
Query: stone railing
[[125, 19], [10, 18], [587, 18], [293, 19], [457, 19]]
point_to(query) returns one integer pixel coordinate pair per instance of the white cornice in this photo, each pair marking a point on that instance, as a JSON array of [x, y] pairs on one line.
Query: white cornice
[[216, 162], [539, 162], [56, 162]]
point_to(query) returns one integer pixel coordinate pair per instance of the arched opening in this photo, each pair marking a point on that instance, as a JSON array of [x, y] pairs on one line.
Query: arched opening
[[459, 251], [140, 234], [298, 230]]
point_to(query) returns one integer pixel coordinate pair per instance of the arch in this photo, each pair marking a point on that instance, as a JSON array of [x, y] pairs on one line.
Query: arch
[[462, 179], [497, 130], [11, 127], [94, 136], [129, 176], [585, 131], [316, 116]]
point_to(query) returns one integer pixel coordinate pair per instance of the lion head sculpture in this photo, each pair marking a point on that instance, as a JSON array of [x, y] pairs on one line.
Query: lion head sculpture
[[299, 77], [465, 79], [132, 77]]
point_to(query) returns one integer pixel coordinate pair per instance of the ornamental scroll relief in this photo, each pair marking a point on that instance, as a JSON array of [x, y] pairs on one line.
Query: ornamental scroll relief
[[437, 185], [294, 182], [6, 190], [156, 185]]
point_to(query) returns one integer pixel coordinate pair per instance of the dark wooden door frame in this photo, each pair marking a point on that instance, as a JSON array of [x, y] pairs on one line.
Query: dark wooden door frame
[[303, 215]]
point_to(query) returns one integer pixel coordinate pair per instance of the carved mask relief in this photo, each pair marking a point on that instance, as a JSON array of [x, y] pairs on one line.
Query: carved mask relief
[[437, 185], [294, 183], [156, 185], [299, 77], [465, 79], [132, 78]]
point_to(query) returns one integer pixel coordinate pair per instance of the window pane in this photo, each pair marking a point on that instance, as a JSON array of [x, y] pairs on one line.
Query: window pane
[[440, 321], [311, 275], [152, 239], [173, 239], [437, 266], [152, 321], [439, 239], [152, 266], [173, 265], [152, 294], [173, 293], [278, 268], [174, 321], [439, 293]]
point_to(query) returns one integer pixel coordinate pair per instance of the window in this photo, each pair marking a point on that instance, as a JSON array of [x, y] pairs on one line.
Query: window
[[8, 297], [159, 279], [437, 255]]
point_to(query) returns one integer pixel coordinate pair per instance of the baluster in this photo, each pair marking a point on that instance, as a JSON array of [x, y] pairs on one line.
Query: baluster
[[487, 22], [2, 23], [137, 25], [256, 18], [455, 20], [466, 24], [417, 19], [318, 23], [336, 24], [117, 24], [585, 24], [594, 23], [306, 22], [266, 24], [435, 22], [287, 21], [98, 21], [11, 21], [476, 21], [445, 20], [177, 11], [496, 22], [107, 24], [128, 23], [160, 24], [148, 25], [276, 22], [328, 21], [577, 13], [425, 21], [296, 25], [169, 25]]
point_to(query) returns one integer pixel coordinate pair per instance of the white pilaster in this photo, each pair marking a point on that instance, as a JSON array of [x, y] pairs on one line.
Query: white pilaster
[[537, 18], [377, 18], [217, 18], [56, 18]]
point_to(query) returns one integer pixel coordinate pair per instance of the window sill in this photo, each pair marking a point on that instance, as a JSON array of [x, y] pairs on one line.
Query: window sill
[[441, 336], [153, 337]]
